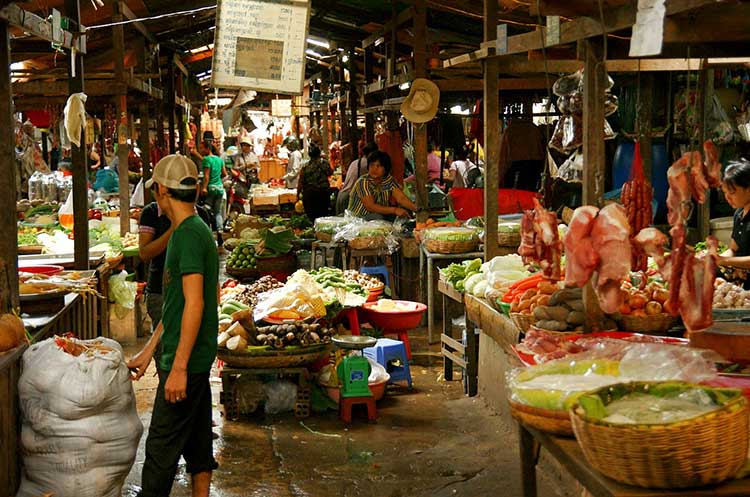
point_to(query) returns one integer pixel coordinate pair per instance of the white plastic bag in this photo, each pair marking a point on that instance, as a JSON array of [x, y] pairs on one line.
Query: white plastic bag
[[138, 200], [80, 428], [281, 396]]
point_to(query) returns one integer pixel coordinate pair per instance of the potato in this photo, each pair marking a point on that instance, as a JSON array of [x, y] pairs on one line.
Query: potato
[[531, 292], [540, 313], [523, 305], [552, 325], [547, 287], [543, 299], [566, 295], [514, 307], [576, 318], [558, 313], [575, 305]]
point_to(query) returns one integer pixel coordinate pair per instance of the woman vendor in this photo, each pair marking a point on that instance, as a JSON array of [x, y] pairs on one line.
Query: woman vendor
[[371, 196], [736, 188]]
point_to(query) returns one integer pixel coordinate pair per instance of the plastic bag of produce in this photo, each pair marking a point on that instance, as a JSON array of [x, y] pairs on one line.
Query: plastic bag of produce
[[281, 396], [122, 293], [80, 428], [363, 234]]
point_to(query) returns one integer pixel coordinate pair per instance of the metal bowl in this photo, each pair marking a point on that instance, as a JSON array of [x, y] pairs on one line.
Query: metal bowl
[[354, 342]]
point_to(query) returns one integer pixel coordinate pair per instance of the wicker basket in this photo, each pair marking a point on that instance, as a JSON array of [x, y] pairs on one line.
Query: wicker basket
[[658, 323], [509, 240], [242, 273], [547, 420], [275, 358], [367, 242], [323, 237], [522, 321], [449, 247], [700, 451]]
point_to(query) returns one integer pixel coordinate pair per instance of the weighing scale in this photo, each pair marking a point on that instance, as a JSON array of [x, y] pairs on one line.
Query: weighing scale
[[354, 370]]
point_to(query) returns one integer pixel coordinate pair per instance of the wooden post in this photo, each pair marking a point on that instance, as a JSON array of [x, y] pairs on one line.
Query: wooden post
[[644, 122], [491, 104], [420, 130], [325, 111], [146, 150], [369, 116], [171, 102], [345, 136], [180, 117], [78, 159], [118, 43], [705, 94], [8, 171], [594, 82], [353, 101]]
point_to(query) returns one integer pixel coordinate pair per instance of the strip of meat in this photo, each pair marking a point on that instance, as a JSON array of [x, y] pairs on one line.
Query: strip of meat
[[526, 250], [697, 287], [713, 166], [611, 237], [652, 242], [677, 259], [678, 197], [540, 241], [698, 181], [581, 257]]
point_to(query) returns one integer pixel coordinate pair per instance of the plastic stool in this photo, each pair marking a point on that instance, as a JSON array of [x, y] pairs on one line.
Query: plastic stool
[[346, 403], [387, 350], [379, 270]]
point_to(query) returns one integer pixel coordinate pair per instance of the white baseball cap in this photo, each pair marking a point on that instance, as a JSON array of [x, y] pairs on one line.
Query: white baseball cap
[[172, 170]]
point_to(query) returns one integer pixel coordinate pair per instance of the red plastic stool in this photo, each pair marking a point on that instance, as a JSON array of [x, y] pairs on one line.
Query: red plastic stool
[[403, 335], [346, 403], [350, 313]]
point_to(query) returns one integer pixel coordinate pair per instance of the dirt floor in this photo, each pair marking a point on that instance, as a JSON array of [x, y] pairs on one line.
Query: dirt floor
[[428, 441]]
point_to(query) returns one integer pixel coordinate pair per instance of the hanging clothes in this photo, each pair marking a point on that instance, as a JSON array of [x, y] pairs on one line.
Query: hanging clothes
[[477, 123]]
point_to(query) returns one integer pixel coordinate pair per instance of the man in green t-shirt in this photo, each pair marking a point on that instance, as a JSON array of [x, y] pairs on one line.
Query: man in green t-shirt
[[181, 417]]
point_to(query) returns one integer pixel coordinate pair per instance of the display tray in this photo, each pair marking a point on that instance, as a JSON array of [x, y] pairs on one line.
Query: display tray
[[528, 359], [30, 249], [275, 358]]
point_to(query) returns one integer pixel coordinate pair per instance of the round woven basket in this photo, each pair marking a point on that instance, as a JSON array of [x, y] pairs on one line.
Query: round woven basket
[[699, 451], [547, 420], [367, 242], [323, 237], [658, 323], [509, 240], [522, 321], [242, 273], [275, 358], [450, 247]]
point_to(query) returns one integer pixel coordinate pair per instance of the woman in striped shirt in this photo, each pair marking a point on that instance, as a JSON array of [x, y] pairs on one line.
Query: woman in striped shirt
[[374, 192]]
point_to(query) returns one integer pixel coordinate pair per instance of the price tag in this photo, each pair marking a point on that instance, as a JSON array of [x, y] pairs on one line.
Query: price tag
[[501, 44], [553, 31]]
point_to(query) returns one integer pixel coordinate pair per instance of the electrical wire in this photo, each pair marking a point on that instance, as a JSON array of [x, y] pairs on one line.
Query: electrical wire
[[152, 18]]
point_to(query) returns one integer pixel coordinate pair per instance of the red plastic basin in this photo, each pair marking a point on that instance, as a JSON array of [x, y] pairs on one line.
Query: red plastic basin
[[48, 270], [394, 320]]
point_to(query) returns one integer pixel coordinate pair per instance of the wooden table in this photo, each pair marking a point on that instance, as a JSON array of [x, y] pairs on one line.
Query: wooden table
[[569, 455], [454, 351], [431, 258]]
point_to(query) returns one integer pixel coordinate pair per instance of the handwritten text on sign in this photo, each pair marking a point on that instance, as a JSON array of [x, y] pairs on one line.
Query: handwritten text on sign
[[260, 45]]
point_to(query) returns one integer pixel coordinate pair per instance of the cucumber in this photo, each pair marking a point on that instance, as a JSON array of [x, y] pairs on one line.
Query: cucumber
[[240, 306], [223, 317]]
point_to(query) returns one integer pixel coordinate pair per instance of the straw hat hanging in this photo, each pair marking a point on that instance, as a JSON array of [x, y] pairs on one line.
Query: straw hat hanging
[[422, 103]]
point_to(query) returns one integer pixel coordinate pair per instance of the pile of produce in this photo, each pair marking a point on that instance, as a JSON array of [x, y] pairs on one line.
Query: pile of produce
[[296, 334], [242, 257], [248, 294], [300, 298], [329, 277], [274, 242], [325, 227], [730, 296], [232, 310], [456, 274], [561, 311], [431, 223], [12, 332], [450, 234], [524, 295], [643, 298], [504, 271], [27, 236], [365, 280], [41, 215]]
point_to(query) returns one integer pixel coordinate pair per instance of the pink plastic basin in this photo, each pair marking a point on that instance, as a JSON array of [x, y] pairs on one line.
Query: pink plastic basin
[[394, 320], [47, 270]]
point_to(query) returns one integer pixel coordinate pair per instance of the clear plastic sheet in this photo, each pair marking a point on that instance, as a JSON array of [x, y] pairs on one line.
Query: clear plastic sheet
[[293, 297], [329, 224], [363, 234]]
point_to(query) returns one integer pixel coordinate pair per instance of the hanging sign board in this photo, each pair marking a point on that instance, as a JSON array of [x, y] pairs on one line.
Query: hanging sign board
[[648, 30], [281, 108], [260, 45]]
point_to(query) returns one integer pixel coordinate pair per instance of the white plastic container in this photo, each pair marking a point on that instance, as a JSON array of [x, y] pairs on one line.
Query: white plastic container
[[721, 228]]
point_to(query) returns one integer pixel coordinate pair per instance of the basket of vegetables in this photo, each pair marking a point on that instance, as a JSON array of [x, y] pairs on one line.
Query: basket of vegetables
[[242, 262], [370, 235], [325, 227], [663, 434], [508, 234], [450, 240], [643, 309]]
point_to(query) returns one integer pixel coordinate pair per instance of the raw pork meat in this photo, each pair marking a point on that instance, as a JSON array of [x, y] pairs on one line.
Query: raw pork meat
[[581, 258], [678, 197], [713, 166], [540, 241], [611, 237], [652, 242], [697, 287], [698, 181]]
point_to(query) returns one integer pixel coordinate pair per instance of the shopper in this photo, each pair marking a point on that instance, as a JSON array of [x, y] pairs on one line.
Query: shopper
[[154, 232], [181, 417], [246, 161], [464, 173], [736, 188], [213, 186], [372, 194], [294, 165], [356, 169], [314, 186], [433, 167]]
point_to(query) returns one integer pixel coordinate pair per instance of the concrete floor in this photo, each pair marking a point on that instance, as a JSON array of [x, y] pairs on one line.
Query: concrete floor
[[430, 441]]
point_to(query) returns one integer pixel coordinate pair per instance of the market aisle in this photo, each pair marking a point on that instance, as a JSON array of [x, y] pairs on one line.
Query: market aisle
[[432, 441]]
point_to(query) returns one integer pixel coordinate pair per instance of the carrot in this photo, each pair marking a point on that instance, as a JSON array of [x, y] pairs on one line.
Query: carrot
[[527, 283]]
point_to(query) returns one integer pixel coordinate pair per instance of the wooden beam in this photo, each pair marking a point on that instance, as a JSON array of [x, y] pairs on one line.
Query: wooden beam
[[420, 130], [457, 85], [129, 14], [41, 28], [579, 29], [382, 85], [181, 66], [520, 65], [118, 43], [466, 9], [403, 17], [705, 97], [491, 107]]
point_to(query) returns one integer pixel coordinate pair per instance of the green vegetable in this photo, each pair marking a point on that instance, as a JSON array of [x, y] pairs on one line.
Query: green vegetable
[[276, 241]]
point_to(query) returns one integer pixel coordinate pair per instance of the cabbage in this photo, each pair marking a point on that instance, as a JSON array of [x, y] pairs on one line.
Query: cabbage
[[471, 281], [479, 289]]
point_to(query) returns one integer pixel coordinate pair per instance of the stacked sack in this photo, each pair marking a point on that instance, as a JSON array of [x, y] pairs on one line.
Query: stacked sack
[[80, 428]]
